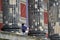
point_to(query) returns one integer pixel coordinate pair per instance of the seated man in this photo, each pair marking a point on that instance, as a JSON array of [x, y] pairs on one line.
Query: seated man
[[24, 28]]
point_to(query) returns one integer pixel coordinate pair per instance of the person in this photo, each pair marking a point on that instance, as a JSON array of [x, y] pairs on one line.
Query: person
[[24, 28]]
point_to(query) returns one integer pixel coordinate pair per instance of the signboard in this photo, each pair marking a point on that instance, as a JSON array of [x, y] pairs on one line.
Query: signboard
[[23, 10], [45, 17]]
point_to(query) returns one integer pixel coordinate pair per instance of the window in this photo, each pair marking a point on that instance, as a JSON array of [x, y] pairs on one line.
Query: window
[[17, 10], [36, 0], [1, 20], [59, 15], [12, 2], [10, 10], [41, 0], [14, 15], [35, 5]]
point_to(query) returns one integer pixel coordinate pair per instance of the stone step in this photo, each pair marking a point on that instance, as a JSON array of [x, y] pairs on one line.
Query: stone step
[[13, 36]]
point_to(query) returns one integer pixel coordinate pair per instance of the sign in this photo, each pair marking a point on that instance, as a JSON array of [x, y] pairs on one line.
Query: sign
[[23, 10], [45, 17]]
